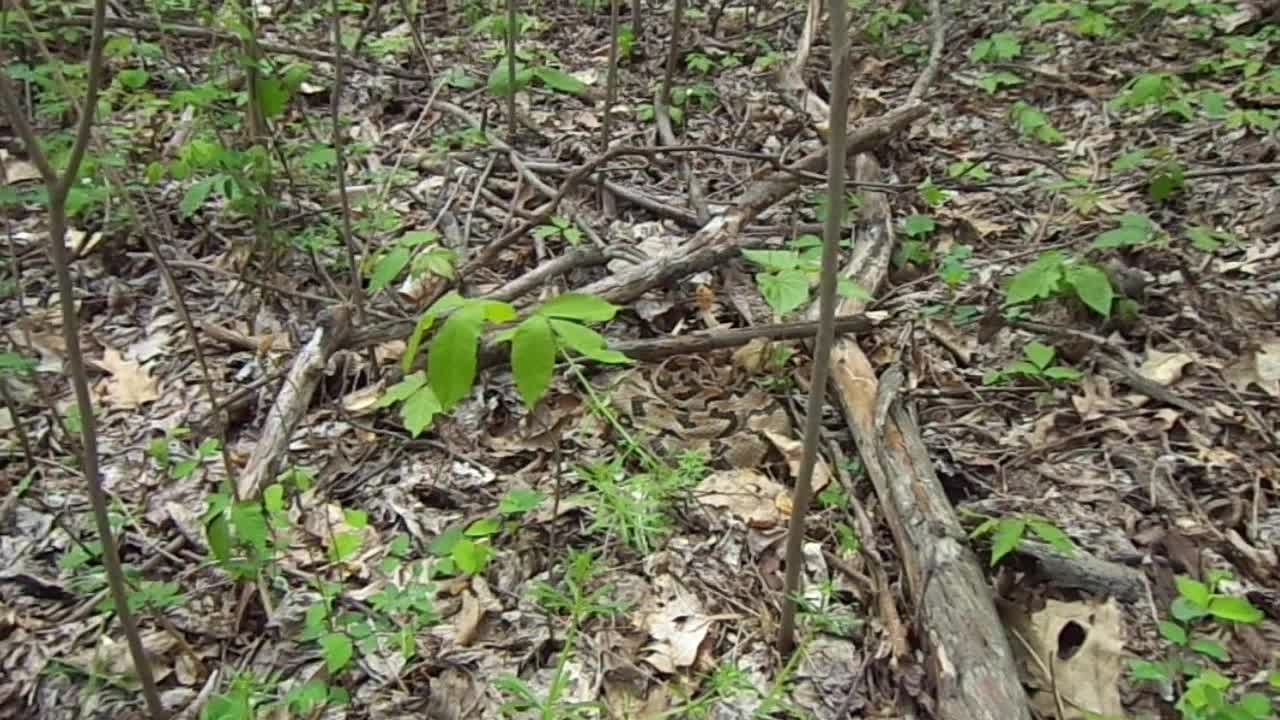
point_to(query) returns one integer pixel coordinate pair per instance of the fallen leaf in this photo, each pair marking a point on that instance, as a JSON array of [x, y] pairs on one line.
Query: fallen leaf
[[747, 494], [130, 385], [1164, 368]]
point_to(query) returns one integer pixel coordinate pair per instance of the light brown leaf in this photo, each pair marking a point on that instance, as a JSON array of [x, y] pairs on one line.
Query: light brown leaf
[[130, 385]]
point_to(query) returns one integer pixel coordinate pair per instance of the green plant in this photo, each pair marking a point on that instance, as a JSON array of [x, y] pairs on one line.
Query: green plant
[[577, 601], [915, 250], [787, 275], [559, 226], [1203, 692], [1088, 17], [1033, 123], [554, 328], [1133, 230], [999, 47], [419, 247], [1007, 532], [181, 464], [1207, 239], [1055, 273], [527, 70], [634, 507], [1036, 365], [1166, 91]]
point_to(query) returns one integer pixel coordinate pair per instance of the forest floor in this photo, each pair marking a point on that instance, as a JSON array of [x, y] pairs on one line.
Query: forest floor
[[1083, 298]]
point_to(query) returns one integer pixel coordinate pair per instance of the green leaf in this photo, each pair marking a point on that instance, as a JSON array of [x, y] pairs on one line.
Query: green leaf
[[345, 545], [451, 359], [586, 342], [1133, 230], [1185, 611], [13, 362], [218, 534], [273, 95], [1051, 534], [1210, 648], [1206, 239], [1129, 161], [249, 523], [1234, 609], [918, 225], [1196, 592], [415, 238], [1256, 704], [1173, 632], [784, 291], [1039, 354], [419, 410], [132, 78], [775, 260], [1058, 372], [520, 501], [574, 306], [500, 83], [984, 528], [533, 358], [470, 556], [1092, 287], [388, 268], [196, 195], [402, 390], [1007, 536], [337, 651], [442, 544], [1038, 280], [847, 288], [563, 82], [484, 527], [438, 261], [1150, 671]]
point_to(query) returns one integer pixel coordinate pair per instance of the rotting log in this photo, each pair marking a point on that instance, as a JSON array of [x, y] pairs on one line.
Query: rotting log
[[969, 660], [292, 402]]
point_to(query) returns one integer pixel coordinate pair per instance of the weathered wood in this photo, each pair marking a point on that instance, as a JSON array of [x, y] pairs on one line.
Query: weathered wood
[[969, 660], [292, 402]]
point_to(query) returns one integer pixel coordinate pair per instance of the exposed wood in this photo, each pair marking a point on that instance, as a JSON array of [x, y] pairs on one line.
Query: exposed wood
[[1081, 571], [292, 402], [969, 659]]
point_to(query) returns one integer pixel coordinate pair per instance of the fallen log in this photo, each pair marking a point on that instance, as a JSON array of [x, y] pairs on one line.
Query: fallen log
[[969, 660]]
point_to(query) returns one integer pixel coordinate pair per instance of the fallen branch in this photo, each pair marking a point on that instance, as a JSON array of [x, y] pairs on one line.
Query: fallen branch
[[292, 402], [969, 660]]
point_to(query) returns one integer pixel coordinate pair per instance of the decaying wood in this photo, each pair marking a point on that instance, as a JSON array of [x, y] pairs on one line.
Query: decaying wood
[[1081, 571], [291, 404], [969, 659]]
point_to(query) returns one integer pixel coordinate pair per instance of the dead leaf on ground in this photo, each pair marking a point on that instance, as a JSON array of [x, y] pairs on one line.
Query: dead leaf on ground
[[1260, 366], [1074, 650], [1164, 368], [130, 384], [748, 494]]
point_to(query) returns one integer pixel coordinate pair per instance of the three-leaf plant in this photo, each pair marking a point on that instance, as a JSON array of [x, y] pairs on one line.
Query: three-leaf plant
[[554, 327]]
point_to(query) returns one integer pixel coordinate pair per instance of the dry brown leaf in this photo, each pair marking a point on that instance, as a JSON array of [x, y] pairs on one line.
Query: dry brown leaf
[[130, 385], [1074, 650], [1259, 366], [793, 451], [1164, 368], [747, 494]]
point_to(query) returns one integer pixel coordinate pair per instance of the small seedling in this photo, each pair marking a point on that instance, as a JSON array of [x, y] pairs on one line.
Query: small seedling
[[1007, 532], [559, 226], [1055, 273], [1037, 364]]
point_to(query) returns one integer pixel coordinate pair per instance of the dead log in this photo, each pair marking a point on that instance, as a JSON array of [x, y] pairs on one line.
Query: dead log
[[292, 402], [969, 660]]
